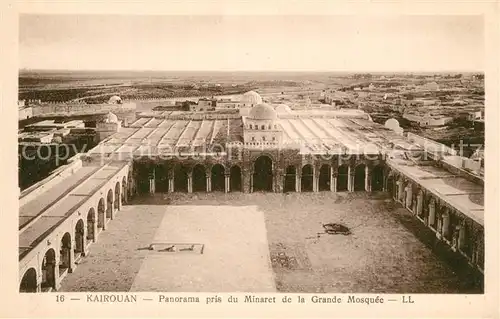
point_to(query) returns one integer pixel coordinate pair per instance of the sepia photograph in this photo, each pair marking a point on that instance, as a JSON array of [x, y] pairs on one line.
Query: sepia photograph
[[251, 154], [220, 159]]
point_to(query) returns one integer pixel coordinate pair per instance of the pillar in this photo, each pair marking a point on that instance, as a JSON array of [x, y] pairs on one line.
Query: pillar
[[420, 202], [151, 180], [251, 182], [171, 184], [432, 213], [401, 192], [227, 183], [315, 179], [367, 179], [446, 224], [333, 182], [409, 197], [461, 236], [298, 182], [209, 182], [190, 182], [350, 180]]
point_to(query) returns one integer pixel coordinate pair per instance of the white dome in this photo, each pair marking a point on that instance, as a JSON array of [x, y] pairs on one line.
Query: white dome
[[115, 99], [283, 108], [252, 98], [111, 118], [263, 112]]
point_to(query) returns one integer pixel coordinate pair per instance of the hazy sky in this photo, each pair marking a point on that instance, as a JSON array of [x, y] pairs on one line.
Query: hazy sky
[[312, 43]]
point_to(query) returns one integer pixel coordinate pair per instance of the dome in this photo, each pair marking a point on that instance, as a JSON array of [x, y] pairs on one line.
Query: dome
[[251, 97], [263, 112], [283, 108], [111, 118], [115, 99]]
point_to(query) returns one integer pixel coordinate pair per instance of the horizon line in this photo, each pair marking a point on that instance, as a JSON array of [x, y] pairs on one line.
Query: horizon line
[[262, 71]]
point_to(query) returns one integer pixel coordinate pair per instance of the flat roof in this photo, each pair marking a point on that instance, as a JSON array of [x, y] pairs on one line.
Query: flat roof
[[49, 209], [462, 194], [328, 133]]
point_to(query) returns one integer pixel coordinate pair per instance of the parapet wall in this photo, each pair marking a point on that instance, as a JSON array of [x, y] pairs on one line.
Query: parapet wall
[[57, 176], [80, 109], [430, 145]]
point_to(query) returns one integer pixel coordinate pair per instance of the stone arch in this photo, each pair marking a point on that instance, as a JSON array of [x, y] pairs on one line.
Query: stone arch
[[342, 178], [263, 174], [180, 178], [79, 249], [142, 176], [91, 225], [29, 282], [377, 178], [199, 178], [101, 217], [49, 268], [324, 178], [290, 179], [109, 204], [161, 178], [235, 179], [359, 177], [65, 253], [307, 178], [117, 202], [218, 178]]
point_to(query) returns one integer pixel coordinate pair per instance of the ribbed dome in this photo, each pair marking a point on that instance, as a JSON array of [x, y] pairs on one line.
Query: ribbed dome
[[115, 100], [251, 97], [283, 108], [111, 118], [263, 112]]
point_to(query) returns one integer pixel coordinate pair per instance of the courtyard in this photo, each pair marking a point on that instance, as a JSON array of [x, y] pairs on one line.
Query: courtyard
[[264, 242]]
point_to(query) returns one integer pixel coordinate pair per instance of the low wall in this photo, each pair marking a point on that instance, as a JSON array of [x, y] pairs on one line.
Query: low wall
[[54, 178]]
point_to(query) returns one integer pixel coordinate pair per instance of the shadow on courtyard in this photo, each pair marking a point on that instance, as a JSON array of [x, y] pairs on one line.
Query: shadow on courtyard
[[471, 280]]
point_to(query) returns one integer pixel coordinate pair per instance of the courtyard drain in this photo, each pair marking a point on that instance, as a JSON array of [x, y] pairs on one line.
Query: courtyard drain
[[174, 248]]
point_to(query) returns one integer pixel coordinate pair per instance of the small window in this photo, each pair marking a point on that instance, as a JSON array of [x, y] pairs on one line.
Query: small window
[[250, 126], [253, 138], [263, 138], [274, 138], [269, 127], [263, 127]]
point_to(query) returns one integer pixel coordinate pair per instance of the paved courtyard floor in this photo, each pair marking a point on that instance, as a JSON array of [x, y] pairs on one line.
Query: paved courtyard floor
[[262, 242]]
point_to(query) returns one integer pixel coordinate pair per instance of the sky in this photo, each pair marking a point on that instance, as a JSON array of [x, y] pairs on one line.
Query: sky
[[252, 43]]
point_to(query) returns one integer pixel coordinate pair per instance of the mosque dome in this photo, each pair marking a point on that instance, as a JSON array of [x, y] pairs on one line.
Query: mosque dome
[[251, 97], [111, 118], [283, 108], [263, 112], [115, 99]]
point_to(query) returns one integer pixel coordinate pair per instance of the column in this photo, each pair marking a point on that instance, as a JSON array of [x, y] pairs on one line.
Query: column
[[350, 179], [401, 192], [446, 224], [297, 182], [152, 180], [227, 183], [209, 183], [251, 182], [190, 182], [315, 179], [333, 182], [367, 179], [409, 197], [171, 184], [432, 213]]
